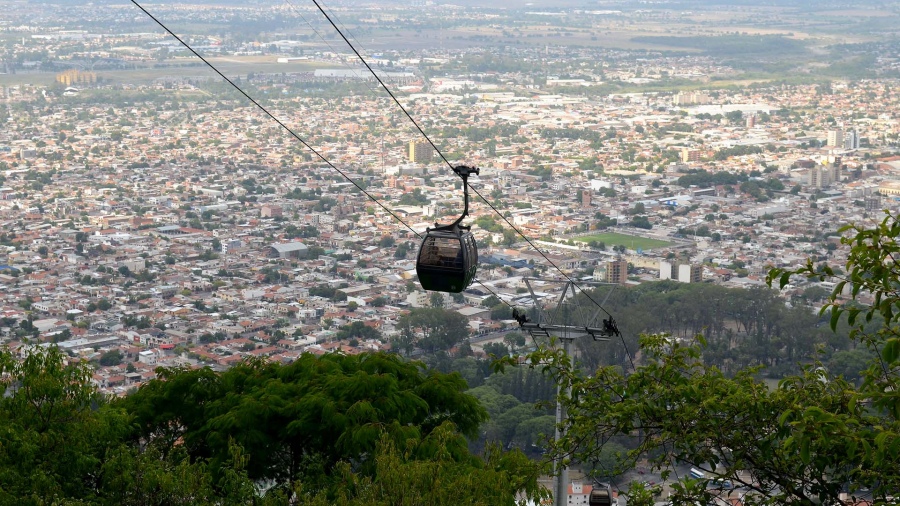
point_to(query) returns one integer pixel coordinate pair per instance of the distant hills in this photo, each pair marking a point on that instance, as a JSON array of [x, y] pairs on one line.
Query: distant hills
[[526, 4]]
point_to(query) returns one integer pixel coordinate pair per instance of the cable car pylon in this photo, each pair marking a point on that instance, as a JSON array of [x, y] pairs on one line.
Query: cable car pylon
[[570, 318]]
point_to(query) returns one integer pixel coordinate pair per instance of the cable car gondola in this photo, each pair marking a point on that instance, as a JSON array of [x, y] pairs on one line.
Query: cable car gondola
[[601, 495], [448, 257]]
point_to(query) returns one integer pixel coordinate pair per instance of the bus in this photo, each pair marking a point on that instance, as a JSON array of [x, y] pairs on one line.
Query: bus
[[697, 474]]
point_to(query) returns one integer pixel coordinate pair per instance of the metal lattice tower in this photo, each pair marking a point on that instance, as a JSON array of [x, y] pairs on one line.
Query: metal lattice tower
[[573, 315]]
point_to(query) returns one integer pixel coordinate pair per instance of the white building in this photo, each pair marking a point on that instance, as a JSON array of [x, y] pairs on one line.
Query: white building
[[579, 494], [667, 270]]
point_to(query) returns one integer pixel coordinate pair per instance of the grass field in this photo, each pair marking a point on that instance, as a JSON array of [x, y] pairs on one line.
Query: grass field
[[629, 241]]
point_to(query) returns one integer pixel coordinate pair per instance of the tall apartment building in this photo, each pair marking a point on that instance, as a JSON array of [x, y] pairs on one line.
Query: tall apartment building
[[690, 273], [750, 121], [851, 140], [73, 77], [873, 203], [837, 169], [835, 138], [617, 271], [690, 155], [684, 273], [668, 270], [823, 176], [420, 151]]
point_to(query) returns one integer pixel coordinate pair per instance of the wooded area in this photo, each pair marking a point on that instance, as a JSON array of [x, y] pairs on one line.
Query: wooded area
[[367, 429], [808, 440], [743, 328]]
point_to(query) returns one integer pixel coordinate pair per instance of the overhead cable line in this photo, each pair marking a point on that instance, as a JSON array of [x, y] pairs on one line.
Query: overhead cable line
[[377, 78], [346, 30], [444, 158], [325, 41], [289, 130], [274, 118], [388, 90]]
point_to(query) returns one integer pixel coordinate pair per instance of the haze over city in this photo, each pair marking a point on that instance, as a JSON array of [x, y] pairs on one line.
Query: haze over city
[[162, 232]]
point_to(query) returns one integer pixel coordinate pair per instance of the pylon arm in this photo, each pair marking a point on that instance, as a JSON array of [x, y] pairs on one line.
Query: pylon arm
[[538, 330]]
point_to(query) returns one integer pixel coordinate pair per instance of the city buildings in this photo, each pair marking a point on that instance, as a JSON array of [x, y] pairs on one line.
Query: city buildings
[[835, 138], [193, 232], [690, 98], [684, 273], [420, 151], [617, 271]]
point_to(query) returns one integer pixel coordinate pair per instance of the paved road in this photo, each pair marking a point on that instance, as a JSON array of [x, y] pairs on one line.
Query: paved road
[[493, 336]]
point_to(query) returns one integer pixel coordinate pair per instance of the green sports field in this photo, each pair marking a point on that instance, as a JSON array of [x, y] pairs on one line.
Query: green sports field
[[629, 241]]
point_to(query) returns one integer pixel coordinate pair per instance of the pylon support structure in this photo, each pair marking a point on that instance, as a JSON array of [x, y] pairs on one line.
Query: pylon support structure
[[570, 318]]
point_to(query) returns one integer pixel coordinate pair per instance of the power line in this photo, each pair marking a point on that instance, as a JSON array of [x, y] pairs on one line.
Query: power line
[[346, 30], [273, 117], [339, 171], [425, 135], [388, 90], [288, 129], [325, 41]]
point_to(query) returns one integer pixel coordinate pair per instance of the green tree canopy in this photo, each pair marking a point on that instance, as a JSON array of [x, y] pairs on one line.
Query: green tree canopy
[[433, 328], [807, 440], [333, 430], [293, 418]]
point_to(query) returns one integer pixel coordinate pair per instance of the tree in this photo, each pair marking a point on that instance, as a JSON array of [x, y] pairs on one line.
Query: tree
[[402, 250], [440, 329], [305, 418], [735, 116], [641, 222], [112, 357], [358, 330], [496, 349], [48, 402], [64, 443], [63, 335], [514, 340], [402, 477], [501, 312], [808, 440], [687, 412], [491, 301]]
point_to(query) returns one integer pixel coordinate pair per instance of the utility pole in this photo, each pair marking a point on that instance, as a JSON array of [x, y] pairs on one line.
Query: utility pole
[[561, 472]]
